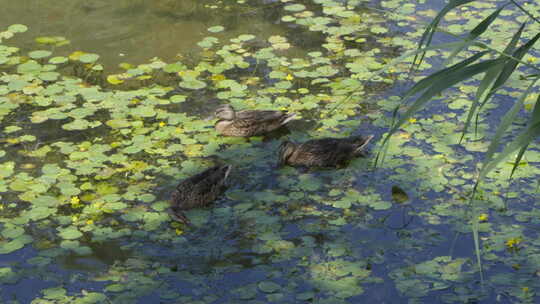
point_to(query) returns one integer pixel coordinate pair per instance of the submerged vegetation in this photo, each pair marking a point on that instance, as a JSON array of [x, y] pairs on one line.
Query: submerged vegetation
[[90, 156]]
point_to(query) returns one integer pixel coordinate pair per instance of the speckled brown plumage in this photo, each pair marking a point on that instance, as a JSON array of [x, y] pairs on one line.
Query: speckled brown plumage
[[325, 152], [249, 122], [198, 191]]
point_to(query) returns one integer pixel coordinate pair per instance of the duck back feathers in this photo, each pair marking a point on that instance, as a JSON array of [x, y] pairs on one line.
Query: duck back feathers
[[198, 191], [325, 152], [249, 123]]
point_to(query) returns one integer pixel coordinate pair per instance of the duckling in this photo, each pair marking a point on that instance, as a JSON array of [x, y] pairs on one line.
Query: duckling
[[325, 152], [249, 122], [198, 191]]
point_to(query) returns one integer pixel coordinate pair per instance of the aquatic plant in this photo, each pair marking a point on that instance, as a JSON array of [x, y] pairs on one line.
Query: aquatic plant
[[497, 68]]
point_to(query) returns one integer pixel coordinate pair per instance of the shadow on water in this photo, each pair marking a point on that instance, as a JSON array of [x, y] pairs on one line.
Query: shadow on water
[[104, 254]]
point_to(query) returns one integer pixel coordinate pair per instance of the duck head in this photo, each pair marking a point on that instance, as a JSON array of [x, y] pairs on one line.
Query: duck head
[[225, 112]]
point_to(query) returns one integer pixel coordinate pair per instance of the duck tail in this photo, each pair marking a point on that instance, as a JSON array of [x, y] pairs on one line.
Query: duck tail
[[228, 169], [362, 143], [179, 216], [288, 118]]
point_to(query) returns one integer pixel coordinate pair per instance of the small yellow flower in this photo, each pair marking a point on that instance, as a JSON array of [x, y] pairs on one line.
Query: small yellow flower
[[75, 200], [483, 217], [513, 243], [218, 77], [178, 231], [89, 222], [283, 109], [531, 59], [525, 289], [412, 120], [289, 77], [404, 135], [162, 124]]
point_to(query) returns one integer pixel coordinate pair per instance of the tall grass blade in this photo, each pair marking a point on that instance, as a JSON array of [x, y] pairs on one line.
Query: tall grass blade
[[441, 75], [506, 122], [512, 64], [475, 32], [535, 120], [381, 154], [427, 36], [522, 140], [437, 85], [488, 82]]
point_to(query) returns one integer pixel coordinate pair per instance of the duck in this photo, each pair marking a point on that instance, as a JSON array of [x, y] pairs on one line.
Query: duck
[[198, 191], [249, 123], [324, 152]]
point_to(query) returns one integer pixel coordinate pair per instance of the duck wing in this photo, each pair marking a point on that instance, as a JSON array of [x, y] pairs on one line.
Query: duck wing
[[201, 188], [259, 116]]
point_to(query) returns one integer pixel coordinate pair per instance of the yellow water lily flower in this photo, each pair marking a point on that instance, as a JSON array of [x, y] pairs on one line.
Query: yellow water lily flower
[[412, 120], [289, 77], [483, 217], [513, 243]]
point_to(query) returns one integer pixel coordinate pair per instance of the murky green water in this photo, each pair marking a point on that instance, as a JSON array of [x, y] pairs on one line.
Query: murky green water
[[135, 31], [88, 160]]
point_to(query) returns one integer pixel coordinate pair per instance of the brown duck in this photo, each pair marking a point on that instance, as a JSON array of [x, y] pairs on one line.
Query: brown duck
[[198, 191], [249, 122], [325, 152]]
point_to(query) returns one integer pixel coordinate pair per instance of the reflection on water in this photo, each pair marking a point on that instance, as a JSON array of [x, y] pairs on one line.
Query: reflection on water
[[103, 255], [134, 30]]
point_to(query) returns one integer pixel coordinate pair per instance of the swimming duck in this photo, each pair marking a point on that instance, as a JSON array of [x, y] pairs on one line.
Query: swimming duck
[[198, 191], [325, 152], [249, 122]]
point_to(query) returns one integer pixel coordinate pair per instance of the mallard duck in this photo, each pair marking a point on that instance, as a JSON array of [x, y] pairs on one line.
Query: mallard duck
[[198, 191], [249, 122], [325, 152]]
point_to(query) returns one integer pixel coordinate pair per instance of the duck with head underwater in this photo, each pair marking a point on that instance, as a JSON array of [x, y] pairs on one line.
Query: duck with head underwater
[[324, 152], [198, 191]]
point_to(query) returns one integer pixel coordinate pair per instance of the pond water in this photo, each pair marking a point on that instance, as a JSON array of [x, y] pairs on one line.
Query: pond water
[[136, 31], [97, 132]]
